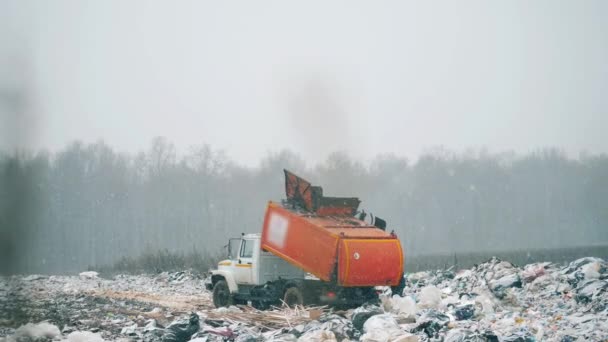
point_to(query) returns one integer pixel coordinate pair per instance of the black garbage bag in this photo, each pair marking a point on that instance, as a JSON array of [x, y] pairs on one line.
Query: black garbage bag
[[432, 322], [363, 313], [464, 312], [490, 336], [182, 330]]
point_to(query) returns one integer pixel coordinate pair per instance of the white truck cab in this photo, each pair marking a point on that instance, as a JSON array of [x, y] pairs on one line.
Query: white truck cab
[[251, 274]]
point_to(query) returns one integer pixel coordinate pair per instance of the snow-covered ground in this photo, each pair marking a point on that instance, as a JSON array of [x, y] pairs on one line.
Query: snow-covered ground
[[494, 301]]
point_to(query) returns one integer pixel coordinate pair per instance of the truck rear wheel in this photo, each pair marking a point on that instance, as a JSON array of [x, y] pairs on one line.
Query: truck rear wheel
[[221, 294], [293, 296], [260, 304]]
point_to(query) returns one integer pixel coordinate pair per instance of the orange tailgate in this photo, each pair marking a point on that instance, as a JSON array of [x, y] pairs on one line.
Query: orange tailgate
[[370, 262], [300, 242]]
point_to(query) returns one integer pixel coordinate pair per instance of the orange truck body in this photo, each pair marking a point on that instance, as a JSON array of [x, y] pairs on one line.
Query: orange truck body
[[333, 247]]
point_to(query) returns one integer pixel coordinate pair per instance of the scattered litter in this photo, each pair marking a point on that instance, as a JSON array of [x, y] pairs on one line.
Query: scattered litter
[[38, 331], [33, 277], [493, 301], [404, 306], [362, 314], [88, 275], [381, 328], [464, 312], [182, 330], [431, 323], [318, 336], [430, 297], [84, 336]]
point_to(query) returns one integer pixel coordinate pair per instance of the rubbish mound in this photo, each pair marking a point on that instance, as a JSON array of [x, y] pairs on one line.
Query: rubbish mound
[[494, 301]]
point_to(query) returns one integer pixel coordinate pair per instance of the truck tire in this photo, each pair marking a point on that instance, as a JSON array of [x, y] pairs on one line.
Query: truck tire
[[221, 294], [293, 296], [260, 304]]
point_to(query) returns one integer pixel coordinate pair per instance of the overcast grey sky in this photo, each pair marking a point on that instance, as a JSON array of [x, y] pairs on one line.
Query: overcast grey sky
[[251, 77]]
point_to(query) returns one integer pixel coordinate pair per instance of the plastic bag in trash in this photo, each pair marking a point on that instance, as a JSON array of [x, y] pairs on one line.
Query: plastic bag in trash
[[318, 336], [341, 327], [247, 338], [281, 338], [405, 306], [33, 331], [182, 330], [208, 338], [363, 313], [590, 289], [533, 271], [519, 337], [462, 335], [500, 285], [380, 322], [431, 323], [281, 335], [429, 297], [381, 328], [584, 268], [81, 336]]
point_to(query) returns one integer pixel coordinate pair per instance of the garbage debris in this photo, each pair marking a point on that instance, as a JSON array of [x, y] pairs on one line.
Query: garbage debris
[[88, 275], [403, 306], [318, 336], [382, 328], [463, 312], [533, 271], [340, 326], [37, 331], [275, 318], [430, 297], [363, 313], [463, 335], [182, 330], [84, 336], [431, 323], [493, 301]]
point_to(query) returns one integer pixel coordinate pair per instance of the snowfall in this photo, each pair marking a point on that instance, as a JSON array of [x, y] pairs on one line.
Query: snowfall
[[493, 301]]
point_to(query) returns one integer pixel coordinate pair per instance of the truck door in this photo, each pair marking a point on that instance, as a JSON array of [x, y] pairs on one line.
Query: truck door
[[243, 266]]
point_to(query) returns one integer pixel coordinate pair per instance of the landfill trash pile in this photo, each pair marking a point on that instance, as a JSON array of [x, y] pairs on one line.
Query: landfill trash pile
[[494, 301], [88, 304]]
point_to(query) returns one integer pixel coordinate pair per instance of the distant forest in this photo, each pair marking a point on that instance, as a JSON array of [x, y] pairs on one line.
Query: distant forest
[[89, 205]]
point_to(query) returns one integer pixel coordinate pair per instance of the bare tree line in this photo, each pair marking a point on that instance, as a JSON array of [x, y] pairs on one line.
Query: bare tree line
[[88, 205]]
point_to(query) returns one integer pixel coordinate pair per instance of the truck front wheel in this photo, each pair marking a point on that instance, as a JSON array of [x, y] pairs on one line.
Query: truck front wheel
[[221, 294], [293, 296]]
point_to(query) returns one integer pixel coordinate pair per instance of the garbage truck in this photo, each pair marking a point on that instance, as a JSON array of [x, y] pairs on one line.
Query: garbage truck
[[312, 250]]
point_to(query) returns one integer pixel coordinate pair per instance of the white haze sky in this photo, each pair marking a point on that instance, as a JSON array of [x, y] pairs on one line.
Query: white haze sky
[[252, 77]]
